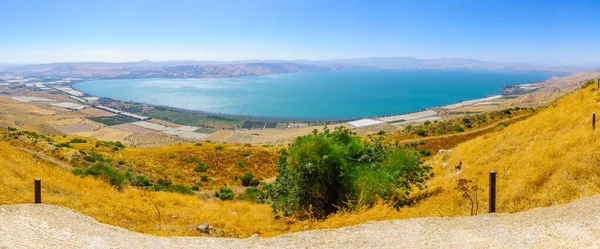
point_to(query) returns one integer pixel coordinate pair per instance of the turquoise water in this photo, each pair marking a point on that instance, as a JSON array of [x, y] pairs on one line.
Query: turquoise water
[[315, 95]]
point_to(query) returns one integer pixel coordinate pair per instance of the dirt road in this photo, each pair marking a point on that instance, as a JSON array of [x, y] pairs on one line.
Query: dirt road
[[574, 225]]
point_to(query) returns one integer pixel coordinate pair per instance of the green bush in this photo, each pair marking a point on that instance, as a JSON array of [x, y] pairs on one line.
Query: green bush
[[247, 179], [90, 159], [219, 147], [78, 141], [225, 193], [202, 167], [421, 132], [180, 188], [113, 176], [245, 154], [241, 164], [204, 177], [425, 153], [66, 145], [77, 171], [325, 171], [441, 131], [381, 132], [458, 128], [252, 194], [466, 120], [195, 187], [140, 181]]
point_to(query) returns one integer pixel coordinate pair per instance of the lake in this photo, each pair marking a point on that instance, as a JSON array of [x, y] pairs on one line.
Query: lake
[[315, 95]]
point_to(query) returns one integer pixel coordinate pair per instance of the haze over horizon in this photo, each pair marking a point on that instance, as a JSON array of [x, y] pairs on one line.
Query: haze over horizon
[[549, 33]]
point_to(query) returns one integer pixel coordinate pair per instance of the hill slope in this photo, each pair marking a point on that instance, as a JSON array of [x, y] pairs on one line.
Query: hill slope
[[574, 225], [547, 159]]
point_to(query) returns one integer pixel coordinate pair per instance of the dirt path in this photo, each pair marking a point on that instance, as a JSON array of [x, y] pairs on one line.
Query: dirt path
[[574, 225], [46, 158], [488, 127]]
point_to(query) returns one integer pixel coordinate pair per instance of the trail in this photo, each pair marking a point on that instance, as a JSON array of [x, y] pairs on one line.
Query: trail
[[573, 225], [46, 158], [488, 127]]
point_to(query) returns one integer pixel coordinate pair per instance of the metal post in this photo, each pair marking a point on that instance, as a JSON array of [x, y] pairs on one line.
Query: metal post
[[38, 190], [492, 199], [594, 121]]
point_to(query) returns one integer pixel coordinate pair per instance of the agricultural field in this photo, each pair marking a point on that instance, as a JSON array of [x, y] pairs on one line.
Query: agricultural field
[[190, 118], [113, 120]]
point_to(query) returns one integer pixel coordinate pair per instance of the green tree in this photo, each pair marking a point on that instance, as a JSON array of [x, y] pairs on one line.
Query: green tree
[[325, 171]]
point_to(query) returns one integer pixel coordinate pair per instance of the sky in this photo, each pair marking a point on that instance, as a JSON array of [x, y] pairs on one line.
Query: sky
[[550, 33]]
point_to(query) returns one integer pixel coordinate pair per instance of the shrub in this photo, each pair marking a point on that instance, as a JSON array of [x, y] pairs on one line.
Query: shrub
[[458, 128], [163, 183], [180, 188], [421, 132], [325, 171], [427, 122], [202, 167], [218, 147], [195, 187], [77, 171], [441, 131], [121, 162], [119, 144], [245, 154], [204, 177], [469, 125], [381, 132], [247, 179], [114, 177], [502, 124], [90, 159], [425, 153], [254, 182], [78, 141], [225, 193], [252, 194], [241, 164], [140, 181], [66, 145], [466, 120]]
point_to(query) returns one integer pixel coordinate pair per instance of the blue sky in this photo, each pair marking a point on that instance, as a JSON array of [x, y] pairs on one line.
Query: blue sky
[[539, 32]]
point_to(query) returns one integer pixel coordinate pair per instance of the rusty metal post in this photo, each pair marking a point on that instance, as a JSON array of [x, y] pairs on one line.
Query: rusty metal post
[[594, 121], [38, 190], [492, 198]]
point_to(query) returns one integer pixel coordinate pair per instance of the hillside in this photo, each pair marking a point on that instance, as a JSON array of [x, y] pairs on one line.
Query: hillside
[[574, 225], [544, 160], [547, 159]]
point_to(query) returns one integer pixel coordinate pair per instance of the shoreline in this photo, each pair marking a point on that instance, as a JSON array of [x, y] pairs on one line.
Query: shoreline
[[455, 105]]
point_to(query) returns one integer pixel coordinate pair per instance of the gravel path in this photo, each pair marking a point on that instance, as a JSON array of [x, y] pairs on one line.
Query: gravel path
[[574, 225]]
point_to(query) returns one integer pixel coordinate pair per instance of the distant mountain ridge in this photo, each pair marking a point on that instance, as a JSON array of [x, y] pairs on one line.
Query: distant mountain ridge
[[200, 69]]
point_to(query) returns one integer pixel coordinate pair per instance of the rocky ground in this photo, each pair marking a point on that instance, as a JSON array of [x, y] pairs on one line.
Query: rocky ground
[[574, 225]]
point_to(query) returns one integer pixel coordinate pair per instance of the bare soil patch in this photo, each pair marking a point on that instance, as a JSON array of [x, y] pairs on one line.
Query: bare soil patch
[[165, 123], [94, 112], [77, 128]]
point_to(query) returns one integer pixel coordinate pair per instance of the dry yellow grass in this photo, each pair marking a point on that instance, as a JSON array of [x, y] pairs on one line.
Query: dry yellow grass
[[178, 162]]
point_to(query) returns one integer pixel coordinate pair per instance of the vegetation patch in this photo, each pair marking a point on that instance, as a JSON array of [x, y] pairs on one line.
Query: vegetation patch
[[327, 171], [113, 120]]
